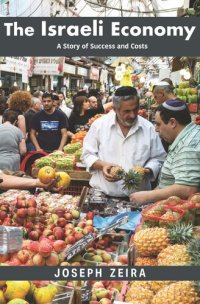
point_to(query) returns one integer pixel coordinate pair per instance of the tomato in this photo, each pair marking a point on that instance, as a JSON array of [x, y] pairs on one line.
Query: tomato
[[62, 179], [46, 174]]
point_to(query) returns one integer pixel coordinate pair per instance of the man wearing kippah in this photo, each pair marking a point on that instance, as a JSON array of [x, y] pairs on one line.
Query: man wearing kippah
[[180, 172], [122, 138]]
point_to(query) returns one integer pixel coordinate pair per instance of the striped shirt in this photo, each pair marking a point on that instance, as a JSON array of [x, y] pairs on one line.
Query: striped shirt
[[182, 165]]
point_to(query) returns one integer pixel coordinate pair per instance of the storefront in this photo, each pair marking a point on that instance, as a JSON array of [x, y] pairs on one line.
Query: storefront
[[14, 72], [47, 73]]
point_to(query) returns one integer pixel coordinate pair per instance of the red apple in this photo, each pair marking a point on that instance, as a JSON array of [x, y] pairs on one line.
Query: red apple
[[69, 232], [19, 220], [59, 234], [78, 235], [28, 225], [31, 202], [52, 260], [68, 216], [87, 229], [61, 222], [31, 211], [38, 260], [70, 239], [90, 215], [34, 235], [123, 259], [51, 237], [21, 203], [22, 212], [3, 215], [59, 245], [44, 209], [81, 224], [23, 256], [69, 225], [47, 232]]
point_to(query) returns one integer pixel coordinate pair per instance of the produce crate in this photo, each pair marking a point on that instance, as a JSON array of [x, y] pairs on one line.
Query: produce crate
[[75, 175], [76, 186]]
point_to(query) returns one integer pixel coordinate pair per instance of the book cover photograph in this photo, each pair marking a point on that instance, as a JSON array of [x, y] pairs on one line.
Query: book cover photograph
[[99, 152]]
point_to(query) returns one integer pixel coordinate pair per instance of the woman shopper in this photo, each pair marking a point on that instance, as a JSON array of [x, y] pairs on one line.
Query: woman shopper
[[20, 102], [12, 142], [82, 112]]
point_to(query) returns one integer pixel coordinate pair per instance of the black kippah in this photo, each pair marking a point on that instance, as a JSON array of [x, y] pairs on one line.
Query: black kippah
[[126, 91]]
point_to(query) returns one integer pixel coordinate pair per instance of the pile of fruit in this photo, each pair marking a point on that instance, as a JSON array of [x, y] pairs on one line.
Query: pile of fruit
[[184, 92], [163, 292], [105, 292], [78, 136], [168, 241], [91, 120], [60, 161], [25, 292], [47, 174], [169, 211]]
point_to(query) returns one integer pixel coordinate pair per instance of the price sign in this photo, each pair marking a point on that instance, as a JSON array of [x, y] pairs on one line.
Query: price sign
[[79, 246], [86, 293]]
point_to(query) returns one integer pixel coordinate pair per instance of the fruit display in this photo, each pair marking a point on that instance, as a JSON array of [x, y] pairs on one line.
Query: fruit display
[[166, 212], [36, 292], [105, 292], [91, 120], [53, 224], [78, 136], [165, 292], [71, 148], [186, 93]]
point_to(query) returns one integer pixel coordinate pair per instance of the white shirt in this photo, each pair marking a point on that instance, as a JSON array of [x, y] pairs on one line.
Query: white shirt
[[105, 141], [65, 109]]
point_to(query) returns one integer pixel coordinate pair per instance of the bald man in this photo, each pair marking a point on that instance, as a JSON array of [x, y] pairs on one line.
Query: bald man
[[93, 102]]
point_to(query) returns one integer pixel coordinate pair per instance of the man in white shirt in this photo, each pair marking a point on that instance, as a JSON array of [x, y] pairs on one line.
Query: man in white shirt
[[62, 105], [122, 138]]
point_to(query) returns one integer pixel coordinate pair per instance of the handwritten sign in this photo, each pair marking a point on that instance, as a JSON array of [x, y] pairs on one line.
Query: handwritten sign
[[86, 293]]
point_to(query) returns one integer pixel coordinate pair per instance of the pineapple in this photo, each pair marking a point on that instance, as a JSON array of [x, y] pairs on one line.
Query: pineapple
[[156, 210], [151, 241], [117, 172], [146, 261], [133, 178], [177, 293], [139, 293], [155, 286], [181, 255], [174, 255]]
